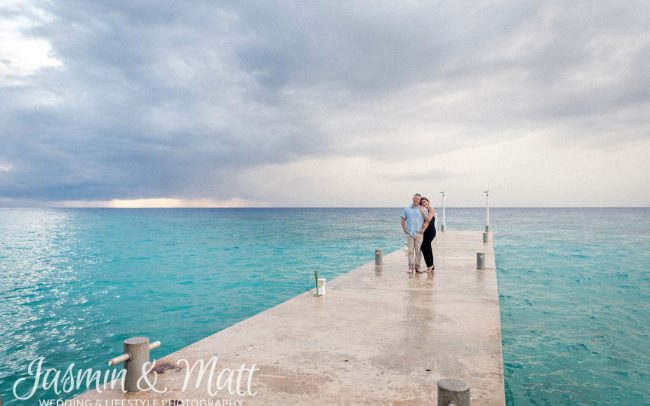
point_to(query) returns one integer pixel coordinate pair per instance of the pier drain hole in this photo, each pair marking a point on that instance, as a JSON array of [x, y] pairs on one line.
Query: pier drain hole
[[346, 360], [162, 368], [428, 369]]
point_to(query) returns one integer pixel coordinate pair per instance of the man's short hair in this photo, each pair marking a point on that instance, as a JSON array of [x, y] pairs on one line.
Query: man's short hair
[[417, 194]]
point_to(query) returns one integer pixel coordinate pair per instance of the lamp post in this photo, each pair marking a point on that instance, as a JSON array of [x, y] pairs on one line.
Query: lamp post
[[443, 227], [487, 210]]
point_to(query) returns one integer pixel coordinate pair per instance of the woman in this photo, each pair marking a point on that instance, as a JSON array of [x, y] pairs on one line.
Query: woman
[[429, 227]]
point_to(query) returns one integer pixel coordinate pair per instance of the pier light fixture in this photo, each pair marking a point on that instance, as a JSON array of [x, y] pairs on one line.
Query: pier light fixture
[[487, 210], [443, 227]]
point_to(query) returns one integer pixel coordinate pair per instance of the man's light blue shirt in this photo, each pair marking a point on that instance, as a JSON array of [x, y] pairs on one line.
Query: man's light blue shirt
[[414, 219]]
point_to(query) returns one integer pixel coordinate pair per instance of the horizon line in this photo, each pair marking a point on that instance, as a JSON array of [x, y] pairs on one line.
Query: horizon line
[[319, 207]]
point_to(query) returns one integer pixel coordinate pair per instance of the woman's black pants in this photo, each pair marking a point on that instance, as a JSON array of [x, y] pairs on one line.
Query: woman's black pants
[[427, 238]]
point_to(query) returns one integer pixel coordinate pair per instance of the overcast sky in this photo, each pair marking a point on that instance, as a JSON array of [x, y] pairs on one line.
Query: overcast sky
[[351, 103]]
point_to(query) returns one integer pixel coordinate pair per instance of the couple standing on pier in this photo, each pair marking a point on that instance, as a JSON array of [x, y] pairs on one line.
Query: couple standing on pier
[[419, 225]]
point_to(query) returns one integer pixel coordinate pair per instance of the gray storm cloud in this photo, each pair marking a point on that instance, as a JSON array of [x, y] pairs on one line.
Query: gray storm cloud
[[190, 100]]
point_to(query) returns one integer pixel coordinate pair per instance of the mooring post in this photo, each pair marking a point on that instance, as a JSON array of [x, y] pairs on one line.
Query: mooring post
[[486, 237], [138, 350], [320, 285], [379, 258], [453, 391], [480, 260], [136, 354]]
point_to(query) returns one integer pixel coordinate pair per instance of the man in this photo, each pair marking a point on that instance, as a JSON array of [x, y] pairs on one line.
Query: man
[[412, 223]]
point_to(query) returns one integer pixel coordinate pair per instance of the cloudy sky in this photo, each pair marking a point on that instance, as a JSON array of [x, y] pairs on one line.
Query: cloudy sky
[[351, 103]]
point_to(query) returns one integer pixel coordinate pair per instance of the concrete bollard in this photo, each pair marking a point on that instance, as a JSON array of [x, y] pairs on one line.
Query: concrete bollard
[[138, 350], [453, 391], [486, 238], [321, 287], [443, 228], [487, 229], [136, 354], [379, 258], [480, 260]]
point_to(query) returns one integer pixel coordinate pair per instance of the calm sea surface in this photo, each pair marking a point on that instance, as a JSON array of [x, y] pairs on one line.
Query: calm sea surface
[[574, 285]]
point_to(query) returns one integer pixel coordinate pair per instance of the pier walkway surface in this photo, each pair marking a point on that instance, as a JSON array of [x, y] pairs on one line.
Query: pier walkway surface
[[376, 337]]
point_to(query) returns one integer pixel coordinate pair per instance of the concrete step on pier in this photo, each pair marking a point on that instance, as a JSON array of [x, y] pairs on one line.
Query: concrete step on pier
[[376, 337]]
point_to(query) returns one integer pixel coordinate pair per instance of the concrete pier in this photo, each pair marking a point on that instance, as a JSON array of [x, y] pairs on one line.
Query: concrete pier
[[379, 336]]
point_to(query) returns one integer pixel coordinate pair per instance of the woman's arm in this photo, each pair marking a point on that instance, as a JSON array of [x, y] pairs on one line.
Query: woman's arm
[[427, 218]]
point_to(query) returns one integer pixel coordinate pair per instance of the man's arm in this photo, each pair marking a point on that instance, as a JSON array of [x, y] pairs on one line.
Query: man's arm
[[404, 225]]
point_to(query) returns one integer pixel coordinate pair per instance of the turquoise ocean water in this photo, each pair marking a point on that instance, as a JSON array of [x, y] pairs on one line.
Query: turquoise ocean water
[[574, 285]]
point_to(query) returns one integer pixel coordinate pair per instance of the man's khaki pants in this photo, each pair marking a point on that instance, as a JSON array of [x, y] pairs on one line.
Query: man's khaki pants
[[414, 245]]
